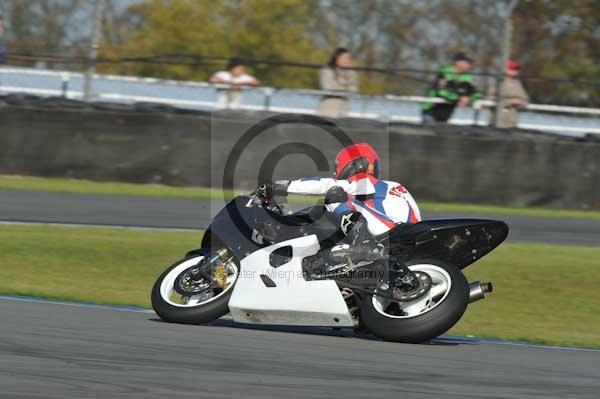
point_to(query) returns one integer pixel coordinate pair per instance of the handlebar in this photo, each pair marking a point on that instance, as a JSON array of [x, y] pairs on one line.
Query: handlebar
[[263, 196]]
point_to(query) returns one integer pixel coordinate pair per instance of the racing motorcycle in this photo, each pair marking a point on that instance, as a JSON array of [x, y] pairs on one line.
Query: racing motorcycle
[[267, 267]]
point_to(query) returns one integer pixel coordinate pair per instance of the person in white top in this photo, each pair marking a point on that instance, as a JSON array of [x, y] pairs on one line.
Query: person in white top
[[236, 78], [358, 197]]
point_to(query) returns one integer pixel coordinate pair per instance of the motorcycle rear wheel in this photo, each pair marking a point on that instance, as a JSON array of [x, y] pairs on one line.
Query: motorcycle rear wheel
[[425, 318]]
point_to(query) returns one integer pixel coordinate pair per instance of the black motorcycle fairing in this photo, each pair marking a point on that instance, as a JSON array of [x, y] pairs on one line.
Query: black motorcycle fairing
[[459, 242], [245, 229]]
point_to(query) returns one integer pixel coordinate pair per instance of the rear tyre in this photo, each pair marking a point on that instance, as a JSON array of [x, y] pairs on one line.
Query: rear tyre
[[425, 318], [202, 308]]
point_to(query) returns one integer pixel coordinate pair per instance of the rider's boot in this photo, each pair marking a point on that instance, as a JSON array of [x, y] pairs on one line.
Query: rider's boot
[[359, 244]]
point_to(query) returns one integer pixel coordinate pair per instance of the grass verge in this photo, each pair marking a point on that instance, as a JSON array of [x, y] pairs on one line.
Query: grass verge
[[100, 265], [543, 294], [12, 182]]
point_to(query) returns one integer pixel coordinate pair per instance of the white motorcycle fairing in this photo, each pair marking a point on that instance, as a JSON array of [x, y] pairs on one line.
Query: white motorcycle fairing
[[293, 300]]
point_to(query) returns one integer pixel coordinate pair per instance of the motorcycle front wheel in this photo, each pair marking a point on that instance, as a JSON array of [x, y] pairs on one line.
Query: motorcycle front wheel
[[426, 317], [204, 302]]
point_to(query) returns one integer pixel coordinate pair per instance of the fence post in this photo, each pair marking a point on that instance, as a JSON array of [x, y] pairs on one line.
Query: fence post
[[363, 101], [507, 35], [93, 52], [65, 84], [476, 108], [267, 92]]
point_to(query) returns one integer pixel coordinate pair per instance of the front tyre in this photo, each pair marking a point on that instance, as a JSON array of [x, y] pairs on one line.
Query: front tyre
[[204, 303], [426, 317]]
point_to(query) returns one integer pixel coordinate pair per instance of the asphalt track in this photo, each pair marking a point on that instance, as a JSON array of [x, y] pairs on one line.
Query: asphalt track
[[64, 351], [155, 212], [50, 350]]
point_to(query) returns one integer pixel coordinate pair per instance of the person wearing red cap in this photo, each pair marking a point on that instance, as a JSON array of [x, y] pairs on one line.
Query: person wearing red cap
[[364, 204], [514, 96]]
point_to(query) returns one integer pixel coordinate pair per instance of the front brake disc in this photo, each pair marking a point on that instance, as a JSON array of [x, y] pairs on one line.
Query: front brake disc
[[186, 284]]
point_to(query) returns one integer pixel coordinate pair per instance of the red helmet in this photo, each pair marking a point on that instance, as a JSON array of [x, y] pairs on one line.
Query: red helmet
[[356, 158]]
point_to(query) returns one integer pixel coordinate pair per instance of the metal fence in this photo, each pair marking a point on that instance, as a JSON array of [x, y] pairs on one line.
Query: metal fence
[[571, 121]]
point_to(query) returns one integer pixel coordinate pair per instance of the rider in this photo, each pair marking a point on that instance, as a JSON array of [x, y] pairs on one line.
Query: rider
[[365, 205]]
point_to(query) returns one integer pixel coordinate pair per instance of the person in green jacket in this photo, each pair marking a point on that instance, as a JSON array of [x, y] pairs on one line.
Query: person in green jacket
[[454, 84]]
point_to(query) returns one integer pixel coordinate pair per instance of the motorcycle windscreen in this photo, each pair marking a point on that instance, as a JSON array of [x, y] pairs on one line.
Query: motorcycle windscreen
[[245, 229]]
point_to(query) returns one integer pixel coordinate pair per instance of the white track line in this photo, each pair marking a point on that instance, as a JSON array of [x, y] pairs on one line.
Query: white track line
[[106, 226], [75, 304], [147, 311]]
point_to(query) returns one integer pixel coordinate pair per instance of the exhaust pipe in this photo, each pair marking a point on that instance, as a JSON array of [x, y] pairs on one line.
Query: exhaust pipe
[[477, 290]]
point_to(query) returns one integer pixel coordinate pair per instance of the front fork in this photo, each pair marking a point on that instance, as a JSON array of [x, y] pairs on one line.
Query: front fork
[[204, 269]]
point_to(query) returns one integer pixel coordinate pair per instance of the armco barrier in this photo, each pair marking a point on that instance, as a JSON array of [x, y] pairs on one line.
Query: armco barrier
[[149, 143]]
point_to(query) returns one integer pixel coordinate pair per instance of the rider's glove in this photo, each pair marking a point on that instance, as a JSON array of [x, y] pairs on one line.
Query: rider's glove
[[336, 195], [267, 190], [264, 191]]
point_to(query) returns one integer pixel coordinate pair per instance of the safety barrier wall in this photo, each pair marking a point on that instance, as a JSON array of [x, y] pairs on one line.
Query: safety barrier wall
[[565, 120], [446, 163]]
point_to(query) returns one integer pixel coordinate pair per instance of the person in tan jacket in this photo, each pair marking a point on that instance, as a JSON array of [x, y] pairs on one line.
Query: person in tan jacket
[[334, 77], [514, 97]]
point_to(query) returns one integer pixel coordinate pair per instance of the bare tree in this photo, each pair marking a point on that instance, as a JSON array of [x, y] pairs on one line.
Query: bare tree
[[48, 27]]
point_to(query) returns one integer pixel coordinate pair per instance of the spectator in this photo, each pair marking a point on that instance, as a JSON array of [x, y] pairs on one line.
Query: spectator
[[513, 97], [336, 77], [454, 84], [3, 51], [237, 79]]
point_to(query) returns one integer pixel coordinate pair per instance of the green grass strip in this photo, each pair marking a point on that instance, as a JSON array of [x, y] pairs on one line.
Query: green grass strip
[[543, 294], [11, 182]]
